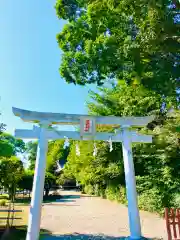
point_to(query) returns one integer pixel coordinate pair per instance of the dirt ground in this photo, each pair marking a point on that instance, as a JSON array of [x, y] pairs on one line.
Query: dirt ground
[[77, 216]]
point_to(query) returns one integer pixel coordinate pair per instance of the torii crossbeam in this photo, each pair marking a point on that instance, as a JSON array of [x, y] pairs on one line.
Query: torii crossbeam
[[125, 134]]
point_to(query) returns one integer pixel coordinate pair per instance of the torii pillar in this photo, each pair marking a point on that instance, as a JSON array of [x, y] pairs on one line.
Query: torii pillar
[[133, 211], [38, 187]]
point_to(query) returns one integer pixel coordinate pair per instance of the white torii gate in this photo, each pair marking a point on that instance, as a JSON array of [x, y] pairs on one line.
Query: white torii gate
[[43, 134]]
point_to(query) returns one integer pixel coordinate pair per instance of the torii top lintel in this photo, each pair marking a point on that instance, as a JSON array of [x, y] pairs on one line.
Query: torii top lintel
[[74, 119]]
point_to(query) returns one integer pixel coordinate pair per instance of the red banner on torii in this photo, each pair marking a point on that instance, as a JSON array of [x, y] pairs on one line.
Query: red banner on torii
[[87, 125]]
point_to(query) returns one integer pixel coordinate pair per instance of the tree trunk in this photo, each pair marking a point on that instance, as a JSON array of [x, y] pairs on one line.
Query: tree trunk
[[46, 192], [10, 194]]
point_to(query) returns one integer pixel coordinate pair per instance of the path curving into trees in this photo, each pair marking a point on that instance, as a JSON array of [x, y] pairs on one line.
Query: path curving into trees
[[78, 216]]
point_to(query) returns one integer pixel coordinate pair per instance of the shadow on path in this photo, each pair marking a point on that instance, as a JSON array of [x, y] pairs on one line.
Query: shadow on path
[[26, 200], [60, 204], [50, 199], [65, 200], [81, 237], [77, 236], [70, 196]]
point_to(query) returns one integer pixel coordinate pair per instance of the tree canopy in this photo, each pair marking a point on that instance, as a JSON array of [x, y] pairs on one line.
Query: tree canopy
[[136, 42]]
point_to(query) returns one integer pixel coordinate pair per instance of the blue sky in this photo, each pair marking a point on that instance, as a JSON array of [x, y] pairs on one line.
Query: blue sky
[[29, 62]]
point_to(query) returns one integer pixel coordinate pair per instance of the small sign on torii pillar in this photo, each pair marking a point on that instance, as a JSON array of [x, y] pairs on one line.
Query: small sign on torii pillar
[[87, 132]]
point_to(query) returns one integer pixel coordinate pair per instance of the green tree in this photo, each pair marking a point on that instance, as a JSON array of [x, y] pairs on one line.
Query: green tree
[[159, 162], [11, 171], [9, 146], [124, 100], [156, 165], [132, 41], [133, 46], [50, 181], [2, 127], [56, 153], [26, 181], [13, 145], [31, 150], [6, 149], [94, 173]]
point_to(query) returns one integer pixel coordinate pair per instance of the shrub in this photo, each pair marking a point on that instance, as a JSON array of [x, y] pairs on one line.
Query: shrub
[[112, 193], [155, 197], [117, 193], [97, 190], [123, 198], [103, 193], [3, 202], [89, 189], [176, 200], [151, 200]]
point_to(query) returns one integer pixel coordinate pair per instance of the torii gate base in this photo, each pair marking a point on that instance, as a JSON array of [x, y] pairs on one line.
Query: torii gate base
[[43, 134]]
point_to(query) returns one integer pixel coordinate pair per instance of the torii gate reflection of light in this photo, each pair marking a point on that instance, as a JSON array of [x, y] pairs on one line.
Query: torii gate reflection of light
[[43, 134]]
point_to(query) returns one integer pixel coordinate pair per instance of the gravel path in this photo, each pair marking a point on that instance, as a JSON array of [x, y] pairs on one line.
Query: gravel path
[[77, 216]]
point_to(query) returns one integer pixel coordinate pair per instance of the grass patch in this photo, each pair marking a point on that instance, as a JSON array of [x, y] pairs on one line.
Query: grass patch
[[19, 233], [19, 228]]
